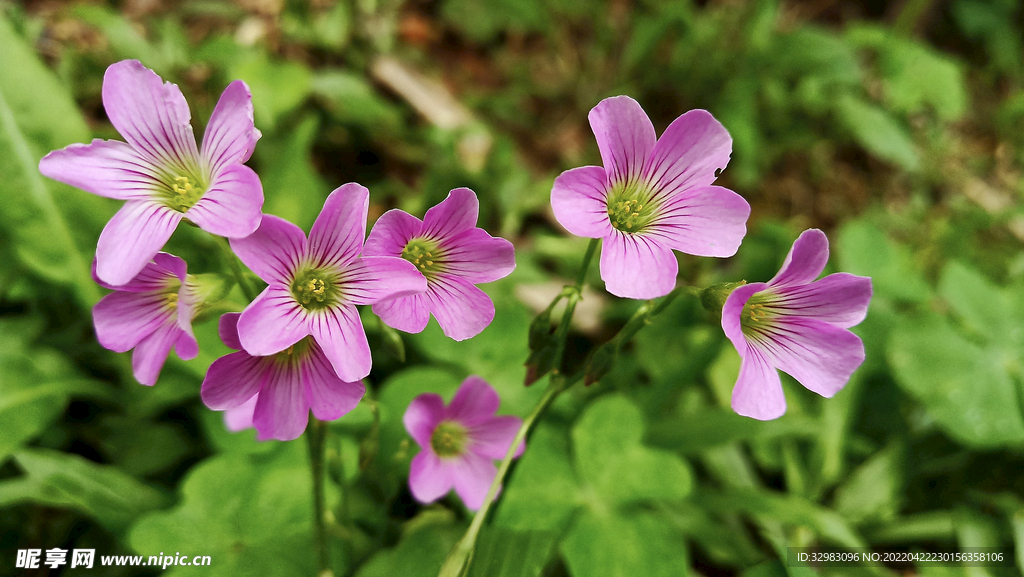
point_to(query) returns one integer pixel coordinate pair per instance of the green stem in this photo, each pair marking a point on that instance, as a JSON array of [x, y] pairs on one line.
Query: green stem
[[236, 269], [575, 296], [316, 435]]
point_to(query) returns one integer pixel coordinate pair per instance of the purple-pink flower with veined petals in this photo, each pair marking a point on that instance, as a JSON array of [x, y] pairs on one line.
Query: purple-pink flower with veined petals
[[459, 442], [160, 172], [798, 325], [653, 196], [151, 313], [284, 386], [315, 284], [453, 255], [240, 418]]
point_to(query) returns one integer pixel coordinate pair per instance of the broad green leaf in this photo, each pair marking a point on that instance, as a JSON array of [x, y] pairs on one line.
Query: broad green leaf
[[141, 447], [124, 38], [964, 387], [352, 100], [874, 491], [610, 457], [610, 545], [981, 306], [878, 132], [277, 87], [253, 517], [105, 493], [37, 115], [502, 552], [542, 493], [864, 249], [715, 427], [421, 551]]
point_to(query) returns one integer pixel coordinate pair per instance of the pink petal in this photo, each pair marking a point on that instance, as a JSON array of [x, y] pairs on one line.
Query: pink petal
[[840, 299], [123, 319], [391, 233], [231, 206], [637, 267], [625, 136], [758, 390], [186, 347], [233, 379], [429, 478], [240, 417], [230, 136], [409, 314], [108, 168], [272, 322], [477, 257], [709, 221], [818, 355], [493, 437], [456, 213], [473, 477], [733, 308], [337, 235], [474, 403], [281, 411], [372, 279], [339, 332], [422, 417], [152, 277], [151, 353], [328, 396], [131, 238], [274, 251], [227, 328], [579, 199], [151, 115], [805, 260], [462, 310], [689, 152]]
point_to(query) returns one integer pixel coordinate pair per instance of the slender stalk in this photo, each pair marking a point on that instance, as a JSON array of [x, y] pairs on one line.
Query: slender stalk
[[316, 435], [236, 268], [457, 562]]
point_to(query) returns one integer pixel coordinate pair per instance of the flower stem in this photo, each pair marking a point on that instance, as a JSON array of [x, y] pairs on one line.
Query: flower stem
[[236, 269], [457, 562], [316, 435]]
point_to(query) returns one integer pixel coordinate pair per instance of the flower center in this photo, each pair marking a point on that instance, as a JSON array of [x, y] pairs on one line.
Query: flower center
[[315, 290], [631, 206], [182, 192], [757, 314], [294, 354], [449, 439], [425, 255]]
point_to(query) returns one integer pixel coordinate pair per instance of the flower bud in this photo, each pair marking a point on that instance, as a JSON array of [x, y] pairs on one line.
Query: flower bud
[[600, 363], [392, 342], [540, 330], [713, 298], [539, 363]]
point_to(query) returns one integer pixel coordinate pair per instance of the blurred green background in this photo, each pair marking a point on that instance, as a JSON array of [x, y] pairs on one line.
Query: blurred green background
[[898, 128]]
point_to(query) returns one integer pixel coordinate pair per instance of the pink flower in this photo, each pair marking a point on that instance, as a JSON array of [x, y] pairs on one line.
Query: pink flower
[[452, 254], [316, 284], [798, 325], [151, 313], [283, 387], [160, 172], [460, 442], [653, 196]]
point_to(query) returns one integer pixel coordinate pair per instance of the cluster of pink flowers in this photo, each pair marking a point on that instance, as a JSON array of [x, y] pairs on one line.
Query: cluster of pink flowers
[[300, 344]]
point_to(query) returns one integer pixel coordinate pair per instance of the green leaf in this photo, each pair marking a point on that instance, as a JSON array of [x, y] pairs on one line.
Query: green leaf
[[253, 517], [964, 387], [502, 552], [277, 87], [108, 495], [715, 427], [37, 114], [874, 491], [865, 250], [123, 37], [878, 132], [293, 188], [614, 546], [352, 100], [981, 306], [543, 493], [420, 552], [610, 458]]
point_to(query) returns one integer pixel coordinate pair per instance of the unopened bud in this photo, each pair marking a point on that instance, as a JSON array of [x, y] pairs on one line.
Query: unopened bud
[[540, 330], [539, 363], [392, 342], [713, 298], [601, 361]]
